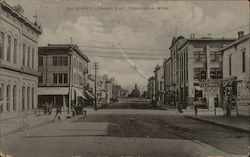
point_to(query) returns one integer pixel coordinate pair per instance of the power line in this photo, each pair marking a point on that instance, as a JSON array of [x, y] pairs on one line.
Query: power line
[[102, 47], [230, 30], [128, 53], [135, 58]]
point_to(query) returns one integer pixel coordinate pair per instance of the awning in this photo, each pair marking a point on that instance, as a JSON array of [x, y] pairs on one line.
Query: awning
[[53, 91], [90, 95], [198, 88], [80, 94]]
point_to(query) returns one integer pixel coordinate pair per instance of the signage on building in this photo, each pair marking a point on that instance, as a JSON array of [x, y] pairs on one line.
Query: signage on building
[[211, 88]]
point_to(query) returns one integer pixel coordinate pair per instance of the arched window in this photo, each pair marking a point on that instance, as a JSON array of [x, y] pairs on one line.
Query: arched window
[[8, 98], [23, 98], [14, 98], [28, 98], [1, 96], [32, 98]]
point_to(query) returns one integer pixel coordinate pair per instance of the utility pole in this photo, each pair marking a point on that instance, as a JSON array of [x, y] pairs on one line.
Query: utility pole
[[96, 66]]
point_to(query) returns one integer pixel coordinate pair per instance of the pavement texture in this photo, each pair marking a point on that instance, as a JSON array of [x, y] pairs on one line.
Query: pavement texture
[[234, 122], [86, 137]]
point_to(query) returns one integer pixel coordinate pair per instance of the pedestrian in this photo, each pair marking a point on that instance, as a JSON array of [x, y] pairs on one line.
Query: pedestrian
[[58, 111], [195, 109]]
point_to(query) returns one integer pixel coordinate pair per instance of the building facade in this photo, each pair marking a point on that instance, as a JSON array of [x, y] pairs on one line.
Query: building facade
[[159, 85], [236, 75], [151, 88], [63, 75], [167, 83], [194, 61], [18, 62]]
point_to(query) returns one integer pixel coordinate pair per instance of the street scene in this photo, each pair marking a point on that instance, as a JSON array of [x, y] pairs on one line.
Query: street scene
[[93, 78]]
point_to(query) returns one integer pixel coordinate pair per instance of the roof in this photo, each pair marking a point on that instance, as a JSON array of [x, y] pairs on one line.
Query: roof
[[65, 47], [245, 37], [182, 41], [6, 7]]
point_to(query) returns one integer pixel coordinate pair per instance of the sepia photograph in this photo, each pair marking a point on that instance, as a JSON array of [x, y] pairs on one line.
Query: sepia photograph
[[124, 78]]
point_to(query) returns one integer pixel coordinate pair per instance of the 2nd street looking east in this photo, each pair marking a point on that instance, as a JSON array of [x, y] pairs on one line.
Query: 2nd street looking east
[[69, 99]]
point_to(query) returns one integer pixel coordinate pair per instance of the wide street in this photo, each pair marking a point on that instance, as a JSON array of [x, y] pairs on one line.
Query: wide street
[[127, 132]]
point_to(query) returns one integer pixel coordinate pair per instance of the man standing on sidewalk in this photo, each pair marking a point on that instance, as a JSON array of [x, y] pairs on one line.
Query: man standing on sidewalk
[[58, 111], [195, 109]]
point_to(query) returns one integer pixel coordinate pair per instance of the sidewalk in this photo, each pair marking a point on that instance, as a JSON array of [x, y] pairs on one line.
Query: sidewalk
[[233, 122], [12, 125]]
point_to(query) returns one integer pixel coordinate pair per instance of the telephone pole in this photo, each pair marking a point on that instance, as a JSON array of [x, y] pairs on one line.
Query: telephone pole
[[96, 66]]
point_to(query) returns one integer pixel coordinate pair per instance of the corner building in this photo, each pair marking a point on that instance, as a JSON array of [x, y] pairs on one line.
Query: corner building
[[18, 62]]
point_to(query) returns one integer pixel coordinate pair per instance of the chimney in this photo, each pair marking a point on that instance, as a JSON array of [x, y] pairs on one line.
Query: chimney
[[240, 34], [192, 36]]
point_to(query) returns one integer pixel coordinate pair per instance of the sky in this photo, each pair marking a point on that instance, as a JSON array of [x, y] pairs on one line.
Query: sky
[[129, 38]]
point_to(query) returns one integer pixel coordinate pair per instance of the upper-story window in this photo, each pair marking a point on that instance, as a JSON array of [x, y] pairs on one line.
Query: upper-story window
[[244, 60], [40, 60], [230, 65], [60, 61], [216, 73], [28, 57], [15, 51], [215, 56], [60, 78], [200, 56], [1, 45], [33, 58], [200, 73], [9, 48], [40, 79], [24, 53]]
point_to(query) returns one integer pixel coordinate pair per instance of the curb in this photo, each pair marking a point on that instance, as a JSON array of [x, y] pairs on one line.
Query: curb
[[18, 130], [219, 124]]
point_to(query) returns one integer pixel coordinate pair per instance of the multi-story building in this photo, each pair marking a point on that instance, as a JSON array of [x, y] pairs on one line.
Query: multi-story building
[[18, 61], [64, 71], [151, 88], [236, 75], [159, 85], [167, 83], [193, 61]]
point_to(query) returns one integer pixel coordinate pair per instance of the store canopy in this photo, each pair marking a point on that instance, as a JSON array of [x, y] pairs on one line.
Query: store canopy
[[89, 94], [80, 94]]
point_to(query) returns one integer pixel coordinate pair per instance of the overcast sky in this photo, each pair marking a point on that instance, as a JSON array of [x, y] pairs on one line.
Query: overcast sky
[[130, 41]]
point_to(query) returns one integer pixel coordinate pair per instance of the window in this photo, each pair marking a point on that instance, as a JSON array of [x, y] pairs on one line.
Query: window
[[54, 78], [65, 61], [23, 98], [28, 98], [1, 45], [8, 98], [215, 56], [60, 61], [60, 78], [216, 73], [15, 51], [1, 96], [230, 65], [200, 73], [244, 61], [14, 98], [40, 79], [40, 60], [28, 55], [32, 98], [200, 56], [9, 48], [24, 53], [54, 61], [32, 57], [65, 76]]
